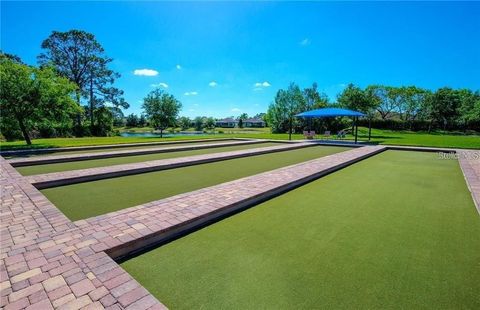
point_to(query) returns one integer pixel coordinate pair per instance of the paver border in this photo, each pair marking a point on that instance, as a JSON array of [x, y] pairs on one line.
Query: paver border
[[54, 159]]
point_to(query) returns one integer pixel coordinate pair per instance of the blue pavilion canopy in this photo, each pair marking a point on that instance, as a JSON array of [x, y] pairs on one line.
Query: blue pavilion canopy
[[329, 112]]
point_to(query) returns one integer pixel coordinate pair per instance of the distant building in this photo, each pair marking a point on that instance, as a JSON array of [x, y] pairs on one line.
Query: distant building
[[253, 122], [226, 123]]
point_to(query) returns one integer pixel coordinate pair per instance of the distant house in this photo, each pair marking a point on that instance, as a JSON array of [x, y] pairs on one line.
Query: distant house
[[226, 123], [253, 122]]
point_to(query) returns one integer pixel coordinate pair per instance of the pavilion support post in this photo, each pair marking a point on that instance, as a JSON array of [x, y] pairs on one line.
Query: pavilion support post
[[356, 129], [369, 128], [290, 130]]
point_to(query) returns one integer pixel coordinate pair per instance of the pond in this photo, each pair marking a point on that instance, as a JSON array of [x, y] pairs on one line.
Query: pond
[[165, 134]]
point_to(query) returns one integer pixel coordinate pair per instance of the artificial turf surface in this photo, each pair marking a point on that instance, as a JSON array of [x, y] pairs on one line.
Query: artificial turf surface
[[121, 147], [94, 163], [398, 230], [84, 200], [43, 143]]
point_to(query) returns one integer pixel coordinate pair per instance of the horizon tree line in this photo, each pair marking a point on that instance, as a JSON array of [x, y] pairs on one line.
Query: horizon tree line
[[386, 107], [184, 122]]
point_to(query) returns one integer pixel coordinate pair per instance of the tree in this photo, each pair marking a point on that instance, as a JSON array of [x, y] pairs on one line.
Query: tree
[[118, 117], [355, 98], [260, 115], [314, 99], [411, 103], [198, 123], [184, 122], [142, 121], [132, 120], [209, 123], [241, 119], [11, 57], [162, 109], [445, 104], [281, 113], [470, 106], [31, 95], [78, 56], [101, 93], [105, 121], [383, 98]]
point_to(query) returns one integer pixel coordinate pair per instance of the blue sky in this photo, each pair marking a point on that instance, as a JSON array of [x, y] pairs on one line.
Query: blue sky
[[250, 50]]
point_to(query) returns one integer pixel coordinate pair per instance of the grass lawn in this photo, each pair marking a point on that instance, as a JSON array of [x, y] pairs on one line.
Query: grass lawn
[[378, 136], [74, 165], [394, 138], [398, 230], [84, 200], [217, 129], [421, 138]]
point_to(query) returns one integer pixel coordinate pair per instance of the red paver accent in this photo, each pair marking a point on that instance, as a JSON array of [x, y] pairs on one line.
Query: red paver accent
[[17, 162], [470, 164], [74, 176]]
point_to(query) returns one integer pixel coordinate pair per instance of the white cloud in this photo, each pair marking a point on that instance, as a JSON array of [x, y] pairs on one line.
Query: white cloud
[[212, 84], [305, 42], [178, 67], [236, 110], [191, 110], [261, 85], [195, 104], [191, 93], [145, 72], [164, 85]]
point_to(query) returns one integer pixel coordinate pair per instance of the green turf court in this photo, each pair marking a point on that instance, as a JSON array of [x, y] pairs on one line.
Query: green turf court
[[398, 230], [121, 147], [94, 163], [84, 200]]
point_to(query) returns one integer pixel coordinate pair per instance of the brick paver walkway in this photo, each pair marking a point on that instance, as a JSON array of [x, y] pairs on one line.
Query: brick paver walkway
[[42, 181], [48, 261], [470, 164], [19, 161]]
